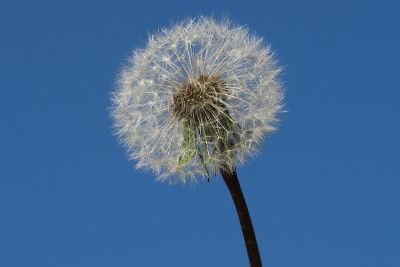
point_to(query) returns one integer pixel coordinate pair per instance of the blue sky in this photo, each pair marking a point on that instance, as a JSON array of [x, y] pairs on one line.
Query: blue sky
[[324, 190]]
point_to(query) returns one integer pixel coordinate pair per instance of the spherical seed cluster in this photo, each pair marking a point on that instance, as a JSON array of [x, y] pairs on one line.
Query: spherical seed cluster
[[202, 94]]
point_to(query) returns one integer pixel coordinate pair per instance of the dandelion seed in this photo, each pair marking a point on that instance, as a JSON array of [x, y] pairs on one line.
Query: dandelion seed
[[213, 77]]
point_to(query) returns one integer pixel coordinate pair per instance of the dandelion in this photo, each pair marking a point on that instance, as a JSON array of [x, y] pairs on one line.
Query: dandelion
[[199, 97]]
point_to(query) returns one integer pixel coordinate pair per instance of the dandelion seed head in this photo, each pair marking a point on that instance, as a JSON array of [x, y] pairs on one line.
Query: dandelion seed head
[[202, 94]]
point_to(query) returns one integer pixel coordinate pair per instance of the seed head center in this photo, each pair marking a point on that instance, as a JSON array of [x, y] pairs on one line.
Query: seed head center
[[200, 99]]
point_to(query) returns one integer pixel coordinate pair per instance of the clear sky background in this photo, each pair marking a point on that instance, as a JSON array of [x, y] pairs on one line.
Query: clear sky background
[[323, 192]]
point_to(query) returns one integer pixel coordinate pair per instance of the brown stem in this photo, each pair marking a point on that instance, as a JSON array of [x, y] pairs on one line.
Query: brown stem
[[232, 182]]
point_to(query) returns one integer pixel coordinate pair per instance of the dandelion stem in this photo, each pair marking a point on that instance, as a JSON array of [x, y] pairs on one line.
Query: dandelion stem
[[232, 182]]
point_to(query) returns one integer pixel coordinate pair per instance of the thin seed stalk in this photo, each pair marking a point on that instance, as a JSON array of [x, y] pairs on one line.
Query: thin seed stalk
[[232, 182]]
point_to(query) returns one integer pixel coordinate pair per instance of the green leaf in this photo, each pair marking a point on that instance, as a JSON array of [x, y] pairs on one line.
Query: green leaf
[[185, 157], [188, 153]]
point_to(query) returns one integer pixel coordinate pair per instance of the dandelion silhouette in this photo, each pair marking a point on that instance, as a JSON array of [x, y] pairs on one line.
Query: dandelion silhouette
[[198, 98]]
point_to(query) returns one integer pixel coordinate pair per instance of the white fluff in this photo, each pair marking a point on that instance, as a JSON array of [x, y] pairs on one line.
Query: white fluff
[[142, 102]]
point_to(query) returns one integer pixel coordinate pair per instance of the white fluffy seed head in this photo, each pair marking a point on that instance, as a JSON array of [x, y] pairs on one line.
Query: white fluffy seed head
[[201, 95]]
